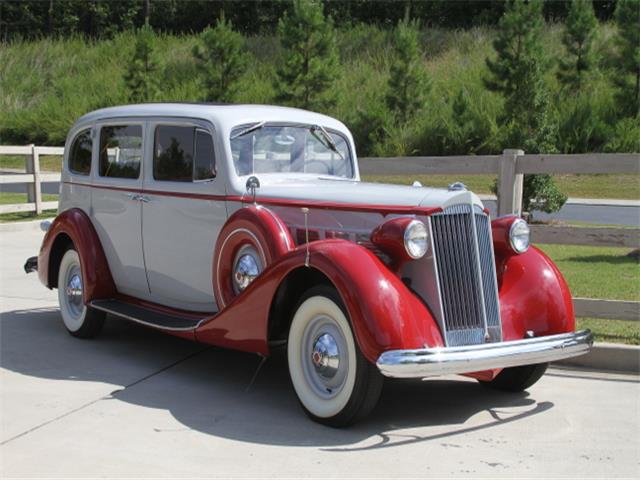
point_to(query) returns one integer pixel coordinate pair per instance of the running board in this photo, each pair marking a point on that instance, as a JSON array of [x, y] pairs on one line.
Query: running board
[[147, 316]]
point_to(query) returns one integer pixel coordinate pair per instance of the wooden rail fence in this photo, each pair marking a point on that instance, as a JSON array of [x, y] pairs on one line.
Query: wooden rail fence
[[509, 167]]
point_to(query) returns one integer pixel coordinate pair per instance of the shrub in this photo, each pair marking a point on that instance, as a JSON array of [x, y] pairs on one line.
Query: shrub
[[221, 60]]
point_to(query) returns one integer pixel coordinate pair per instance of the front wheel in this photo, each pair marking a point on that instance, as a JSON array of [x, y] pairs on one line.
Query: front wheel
[[335, 384], [517, 379], [79, 320]]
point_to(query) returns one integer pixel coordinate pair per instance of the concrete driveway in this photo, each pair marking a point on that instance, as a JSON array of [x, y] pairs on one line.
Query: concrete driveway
[[136, 403]]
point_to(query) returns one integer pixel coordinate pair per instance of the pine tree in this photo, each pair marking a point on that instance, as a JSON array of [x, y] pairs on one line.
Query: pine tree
[[222, 60], [310, 66], [517, 73], [408, 82], [142, 73], [627, 78], [580, 31]]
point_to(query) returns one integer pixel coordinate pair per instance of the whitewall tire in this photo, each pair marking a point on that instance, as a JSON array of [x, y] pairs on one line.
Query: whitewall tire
[[79, 320], [334, 383]]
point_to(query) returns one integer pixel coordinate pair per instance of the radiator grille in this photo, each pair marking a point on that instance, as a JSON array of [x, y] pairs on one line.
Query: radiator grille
[[464, 259]]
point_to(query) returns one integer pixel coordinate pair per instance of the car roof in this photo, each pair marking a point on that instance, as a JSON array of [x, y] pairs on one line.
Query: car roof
[[223, 116]]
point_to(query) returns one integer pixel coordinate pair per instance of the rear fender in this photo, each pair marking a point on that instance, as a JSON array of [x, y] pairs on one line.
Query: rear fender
[[75, 226]]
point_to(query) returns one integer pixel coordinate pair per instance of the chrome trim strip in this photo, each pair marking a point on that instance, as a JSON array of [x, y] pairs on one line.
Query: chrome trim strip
[[142, 322], [483, 307], [434, 253], [429, 362]]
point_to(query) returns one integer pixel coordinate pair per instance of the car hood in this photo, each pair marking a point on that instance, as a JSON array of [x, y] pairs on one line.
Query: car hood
[[360, 193]]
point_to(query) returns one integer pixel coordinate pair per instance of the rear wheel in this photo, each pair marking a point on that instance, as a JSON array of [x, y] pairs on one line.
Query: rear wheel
[[517, 379], [334, 383], [79, 320]]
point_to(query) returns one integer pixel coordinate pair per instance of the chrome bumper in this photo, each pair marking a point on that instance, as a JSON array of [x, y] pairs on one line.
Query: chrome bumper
[[428, 362]]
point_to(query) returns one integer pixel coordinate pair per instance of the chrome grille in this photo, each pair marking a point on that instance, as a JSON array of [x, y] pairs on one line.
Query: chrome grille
[[463, 253]]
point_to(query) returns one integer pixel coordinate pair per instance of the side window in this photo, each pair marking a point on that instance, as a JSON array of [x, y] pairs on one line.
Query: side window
[[120, 151], [173, 153], [80, 153], [182, 154], [205, 157]]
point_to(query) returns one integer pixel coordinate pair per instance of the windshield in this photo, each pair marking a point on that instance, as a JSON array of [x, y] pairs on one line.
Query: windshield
[[260, 148]]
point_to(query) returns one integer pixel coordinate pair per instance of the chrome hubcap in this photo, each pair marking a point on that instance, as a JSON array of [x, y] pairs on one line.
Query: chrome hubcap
[[73, 291], [325, 356], [246, 268]]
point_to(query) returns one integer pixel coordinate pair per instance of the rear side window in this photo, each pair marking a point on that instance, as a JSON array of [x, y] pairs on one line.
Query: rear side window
[[173, 153], [182, 154], [80, 154], [120, 151], [205, 158]]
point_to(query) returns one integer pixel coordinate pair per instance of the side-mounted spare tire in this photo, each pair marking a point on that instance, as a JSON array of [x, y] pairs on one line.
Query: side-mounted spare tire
[[251, 239]]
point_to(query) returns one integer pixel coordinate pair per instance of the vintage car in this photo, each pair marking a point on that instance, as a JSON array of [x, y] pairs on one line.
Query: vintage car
[[248, 227]]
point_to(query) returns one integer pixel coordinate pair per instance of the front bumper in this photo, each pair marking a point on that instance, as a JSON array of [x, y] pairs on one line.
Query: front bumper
[[428, 362]]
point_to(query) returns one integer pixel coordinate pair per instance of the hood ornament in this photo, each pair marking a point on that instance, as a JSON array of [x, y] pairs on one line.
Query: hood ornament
[[457, 187], [252, 185]]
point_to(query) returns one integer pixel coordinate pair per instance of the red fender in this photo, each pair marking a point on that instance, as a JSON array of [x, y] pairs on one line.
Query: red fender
[[384, 313], [533, 296], [76, 224], [254, 225]]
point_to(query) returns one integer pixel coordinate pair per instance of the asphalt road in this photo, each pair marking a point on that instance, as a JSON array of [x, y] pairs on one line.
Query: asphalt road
[[597, 214], [135, 403]]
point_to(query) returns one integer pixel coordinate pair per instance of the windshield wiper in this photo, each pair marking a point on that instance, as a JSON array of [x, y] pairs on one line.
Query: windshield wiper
[[328, 140], [252, 128]]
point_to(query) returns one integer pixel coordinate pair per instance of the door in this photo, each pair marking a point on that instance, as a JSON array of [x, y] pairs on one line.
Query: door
[[183, 212], [116, 210]]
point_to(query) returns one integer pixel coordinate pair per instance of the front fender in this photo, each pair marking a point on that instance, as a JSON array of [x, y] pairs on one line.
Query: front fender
[[384, 313], [534, 296], [75, 225]]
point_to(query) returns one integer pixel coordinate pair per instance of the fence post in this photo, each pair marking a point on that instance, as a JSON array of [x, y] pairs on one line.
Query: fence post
[[509, 184], [37, 187]]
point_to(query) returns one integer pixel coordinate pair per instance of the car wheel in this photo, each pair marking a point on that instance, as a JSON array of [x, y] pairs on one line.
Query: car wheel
[[517, 379], [334, 383], [79, 320]]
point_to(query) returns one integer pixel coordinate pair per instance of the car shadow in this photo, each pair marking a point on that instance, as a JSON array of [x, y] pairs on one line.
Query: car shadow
[[242, 396]]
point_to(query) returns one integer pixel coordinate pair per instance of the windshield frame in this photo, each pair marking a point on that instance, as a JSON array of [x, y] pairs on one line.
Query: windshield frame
[[308, 126]]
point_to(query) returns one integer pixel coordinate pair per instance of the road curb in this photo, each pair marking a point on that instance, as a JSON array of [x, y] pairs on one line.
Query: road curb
[[22, 226], [608, 356]]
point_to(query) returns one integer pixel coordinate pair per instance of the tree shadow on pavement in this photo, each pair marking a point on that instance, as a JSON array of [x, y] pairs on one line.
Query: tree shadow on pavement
[[222, 393]]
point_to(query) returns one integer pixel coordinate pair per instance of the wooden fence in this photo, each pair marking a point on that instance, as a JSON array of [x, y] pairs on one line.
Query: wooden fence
[[509, 167], [32, 177]]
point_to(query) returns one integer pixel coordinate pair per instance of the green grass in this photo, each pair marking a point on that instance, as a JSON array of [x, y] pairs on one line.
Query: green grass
[[7, 198], [597, 272], [624, 187], [48, 163], [26, 216], [616, 331]]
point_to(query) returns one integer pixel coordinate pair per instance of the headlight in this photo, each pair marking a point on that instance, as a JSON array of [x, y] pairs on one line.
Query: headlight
[[519, 236], [415, 239]]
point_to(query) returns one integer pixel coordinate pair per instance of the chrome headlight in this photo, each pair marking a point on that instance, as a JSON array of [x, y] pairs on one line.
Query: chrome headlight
[[416, 239], [519, 234]]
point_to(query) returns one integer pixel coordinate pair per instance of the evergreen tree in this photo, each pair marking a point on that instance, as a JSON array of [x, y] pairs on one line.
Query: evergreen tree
[[580, 30], [517, 73], [310, 66], [222, 60], [627, 78], [408, 82], [142, 73]]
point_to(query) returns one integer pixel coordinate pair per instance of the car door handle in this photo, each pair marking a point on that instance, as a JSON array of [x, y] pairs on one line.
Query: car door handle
[[144, 198]]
